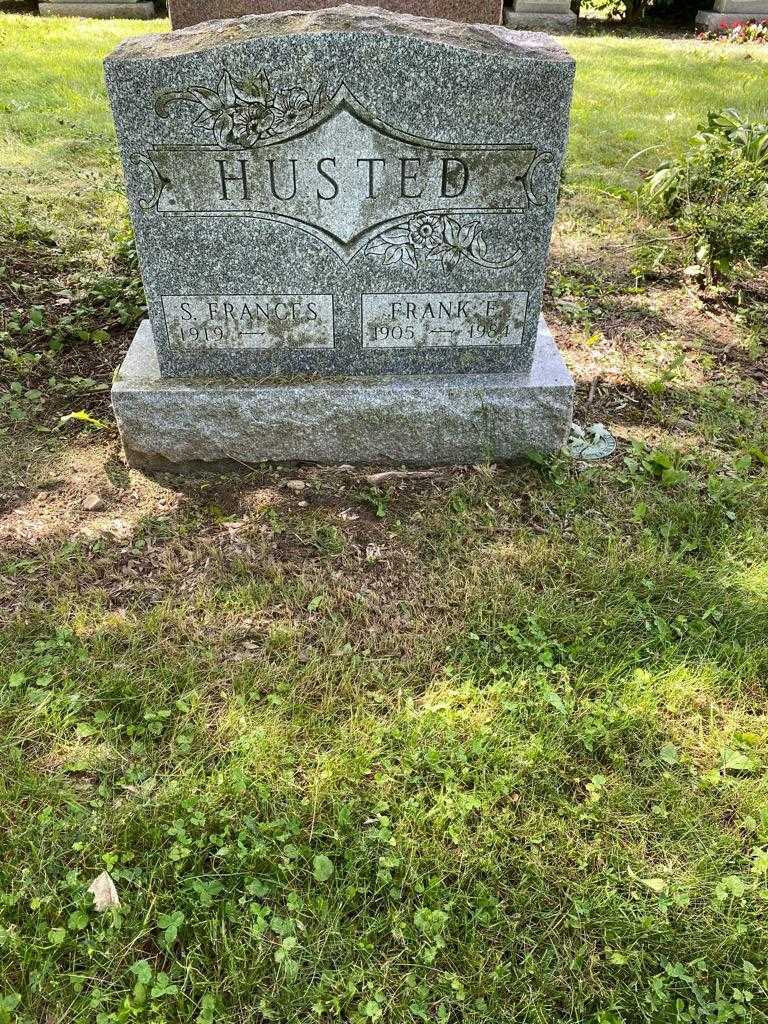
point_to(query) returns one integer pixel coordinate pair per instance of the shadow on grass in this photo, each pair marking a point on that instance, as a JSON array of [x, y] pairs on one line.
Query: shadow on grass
[[523, 723]]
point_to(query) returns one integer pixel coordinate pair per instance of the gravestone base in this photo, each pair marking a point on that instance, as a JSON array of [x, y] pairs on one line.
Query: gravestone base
[[540, 15], [709, 21], [184, 425], [74, 9]]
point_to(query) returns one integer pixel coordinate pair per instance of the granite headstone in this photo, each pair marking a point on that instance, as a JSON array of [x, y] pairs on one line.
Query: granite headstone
[[727, 13], [346, 193], [540, 15], [142, 9], [191, 12]]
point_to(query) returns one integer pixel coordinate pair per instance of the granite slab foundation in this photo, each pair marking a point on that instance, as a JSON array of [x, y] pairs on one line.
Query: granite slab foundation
[[540, 16], [710, 21], [187, 425], [68, 9]]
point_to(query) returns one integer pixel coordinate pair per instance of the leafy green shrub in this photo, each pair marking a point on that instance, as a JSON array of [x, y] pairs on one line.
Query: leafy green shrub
[[634, 11], [717, 194], [682, 11], [627, 10]]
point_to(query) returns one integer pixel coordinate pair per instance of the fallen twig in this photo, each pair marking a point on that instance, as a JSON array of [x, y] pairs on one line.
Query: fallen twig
[[399, 474]]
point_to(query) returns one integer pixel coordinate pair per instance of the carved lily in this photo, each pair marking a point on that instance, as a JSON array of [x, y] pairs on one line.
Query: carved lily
[[460, 241], [235, 112], [292, 108], [251, 122], [241, 113]]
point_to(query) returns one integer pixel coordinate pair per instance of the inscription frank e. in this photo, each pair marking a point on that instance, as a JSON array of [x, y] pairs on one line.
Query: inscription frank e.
[[249, 321], [464, 319]]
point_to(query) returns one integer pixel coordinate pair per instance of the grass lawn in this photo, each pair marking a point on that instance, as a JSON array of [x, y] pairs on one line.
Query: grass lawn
[[484, 746]]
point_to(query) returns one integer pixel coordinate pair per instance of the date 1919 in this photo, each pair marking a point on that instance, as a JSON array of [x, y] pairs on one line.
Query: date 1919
[[208, 333]]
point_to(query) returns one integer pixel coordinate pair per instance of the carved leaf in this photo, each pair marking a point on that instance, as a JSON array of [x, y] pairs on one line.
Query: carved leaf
[[227, 90], [397, 236], [450, 259], [206, 120], [255, 89], [377, 248], [408, 255], [394, 255], [222, 126], [466, 234], [319, 100], [164, 103], [452, 231], [209, 99], [479, 245]]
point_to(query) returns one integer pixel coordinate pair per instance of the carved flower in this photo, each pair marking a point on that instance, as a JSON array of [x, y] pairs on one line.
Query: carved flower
[[292, 108], [251, 122], [426, 231], [240, 113], [435, 237]]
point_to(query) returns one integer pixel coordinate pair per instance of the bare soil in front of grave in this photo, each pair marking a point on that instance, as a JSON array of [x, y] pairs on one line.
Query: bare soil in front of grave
[[639, 353]]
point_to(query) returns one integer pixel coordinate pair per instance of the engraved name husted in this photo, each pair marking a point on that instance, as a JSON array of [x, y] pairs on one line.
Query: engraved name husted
[[366, 177], [331, 167]]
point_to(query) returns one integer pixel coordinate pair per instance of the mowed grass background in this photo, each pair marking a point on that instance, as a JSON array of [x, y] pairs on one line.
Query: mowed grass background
[[484, 746]]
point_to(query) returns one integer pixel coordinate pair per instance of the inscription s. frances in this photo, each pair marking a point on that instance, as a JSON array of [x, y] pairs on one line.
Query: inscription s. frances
[[249, 321], [279, 311]]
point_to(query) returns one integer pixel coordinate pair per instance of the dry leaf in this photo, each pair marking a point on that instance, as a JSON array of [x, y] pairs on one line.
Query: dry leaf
[[657, 885], [93, 502], [399, 474], [104, 892]]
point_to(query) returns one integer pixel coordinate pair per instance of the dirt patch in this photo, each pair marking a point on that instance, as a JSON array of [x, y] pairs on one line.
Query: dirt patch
[[64, 328]]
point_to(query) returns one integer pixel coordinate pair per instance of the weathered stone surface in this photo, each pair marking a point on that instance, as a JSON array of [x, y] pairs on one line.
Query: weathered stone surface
[[732, 12], [348, 191], [748, 8], [191, 12], [143, 9], [708, 21], [540, 21], [540, 15], [542, 6], [413, 420]]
